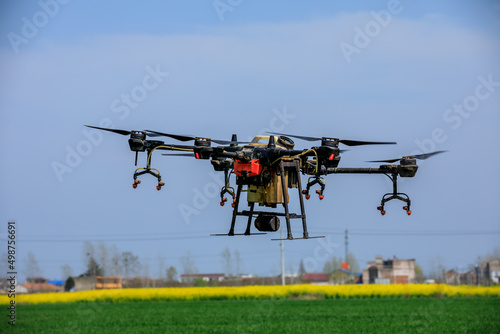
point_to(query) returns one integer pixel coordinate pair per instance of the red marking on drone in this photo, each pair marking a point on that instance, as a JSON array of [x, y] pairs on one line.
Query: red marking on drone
[[250, 168]]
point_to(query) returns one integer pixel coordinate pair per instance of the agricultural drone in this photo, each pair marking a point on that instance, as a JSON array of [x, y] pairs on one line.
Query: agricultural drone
[[266, 168]]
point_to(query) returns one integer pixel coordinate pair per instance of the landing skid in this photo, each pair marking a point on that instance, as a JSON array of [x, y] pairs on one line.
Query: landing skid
[[321, 236], [230, 235]]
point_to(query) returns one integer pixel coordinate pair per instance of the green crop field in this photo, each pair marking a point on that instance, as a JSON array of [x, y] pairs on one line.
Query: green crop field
[[423, 315]]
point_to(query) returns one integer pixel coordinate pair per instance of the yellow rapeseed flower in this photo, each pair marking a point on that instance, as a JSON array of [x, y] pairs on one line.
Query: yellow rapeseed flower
[[257, 292]]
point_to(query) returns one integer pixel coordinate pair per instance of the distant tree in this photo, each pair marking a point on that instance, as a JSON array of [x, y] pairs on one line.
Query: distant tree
[[161, 265], [102, 255], [200, 282], [354, 265], [437, 269], [145, 273], [338, 276], [302, 268], [88, 250], [115, 265], [171, 273], [70, 284], [237, 260], [489, 256], [66, 271], [131, 264], [495, 254], [292, 271], [31, 268], [419, 274], [226, 256], [4, 265], [93, 268], [188, 264], [332, 265]]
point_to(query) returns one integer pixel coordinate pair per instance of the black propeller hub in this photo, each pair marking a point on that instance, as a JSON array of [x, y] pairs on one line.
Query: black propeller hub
[[408, 161], [202, 142], [328, 155], [286, 142], [137, 141], [331, 142]]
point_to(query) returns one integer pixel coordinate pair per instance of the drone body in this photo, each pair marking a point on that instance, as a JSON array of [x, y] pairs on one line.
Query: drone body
[[262, 180], [266, 168]]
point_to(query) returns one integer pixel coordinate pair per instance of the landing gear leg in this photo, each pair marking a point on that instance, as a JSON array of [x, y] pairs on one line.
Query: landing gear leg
[[249, 223], [285, 203], [395, 195], [235, 210]]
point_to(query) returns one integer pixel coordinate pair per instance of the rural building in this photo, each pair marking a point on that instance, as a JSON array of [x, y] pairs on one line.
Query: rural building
[[97, 282], [486, 273], [338, 276], [467, 277], [40, 284], [108, 282], [391, 271], [451, 277], [190, 278], [84, 283], [341, 276], [495, 271], [316, 278], [6, 286], [489, 272]]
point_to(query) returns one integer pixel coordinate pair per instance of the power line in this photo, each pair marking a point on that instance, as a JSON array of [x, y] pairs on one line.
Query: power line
[[114, 240], [173, 236], [414, 233], [248, 255]]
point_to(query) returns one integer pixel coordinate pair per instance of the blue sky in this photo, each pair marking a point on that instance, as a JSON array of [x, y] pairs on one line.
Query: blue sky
[[421, 73]]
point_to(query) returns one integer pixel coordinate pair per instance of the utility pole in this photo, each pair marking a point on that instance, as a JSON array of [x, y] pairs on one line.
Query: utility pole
[[282, 258], [346, 244]]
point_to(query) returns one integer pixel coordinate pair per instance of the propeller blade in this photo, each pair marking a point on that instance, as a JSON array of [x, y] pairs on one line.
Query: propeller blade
[[343, 141], [416, 156], [188, 138], [427, 155], [294, 136], [151, 133], [359, 142], [228, 142], [177, 137], [121, 132], [388, 161]]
